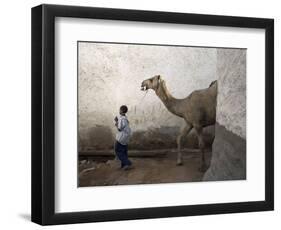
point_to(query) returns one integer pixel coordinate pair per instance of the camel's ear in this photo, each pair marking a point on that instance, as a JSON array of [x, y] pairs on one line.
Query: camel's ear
[[159, 78], [158, 81]]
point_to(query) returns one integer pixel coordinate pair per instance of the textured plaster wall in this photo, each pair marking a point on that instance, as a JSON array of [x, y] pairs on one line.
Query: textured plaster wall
[[229, 147], [111, 74], [231, 99]]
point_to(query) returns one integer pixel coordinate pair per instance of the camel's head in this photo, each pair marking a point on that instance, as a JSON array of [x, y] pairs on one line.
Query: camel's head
[[151, 83]]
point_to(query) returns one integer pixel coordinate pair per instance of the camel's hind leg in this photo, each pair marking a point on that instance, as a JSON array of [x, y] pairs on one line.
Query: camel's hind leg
[[199, 132], [183, 132]]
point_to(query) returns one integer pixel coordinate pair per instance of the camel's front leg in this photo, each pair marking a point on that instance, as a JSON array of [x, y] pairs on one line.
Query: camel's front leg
[[183, 132], [199, 132]]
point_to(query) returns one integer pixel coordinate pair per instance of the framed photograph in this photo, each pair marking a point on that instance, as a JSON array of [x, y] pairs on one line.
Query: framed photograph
[[145, 114]]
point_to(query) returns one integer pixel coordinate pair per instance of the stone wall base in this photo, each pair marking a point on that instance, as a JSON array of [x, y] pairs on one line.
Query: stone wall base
[[228, 158]]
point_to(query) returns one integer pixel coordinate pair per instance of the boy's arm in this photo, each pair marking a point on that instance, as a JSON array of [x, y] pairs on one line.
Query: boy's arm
[[120, 124], [116, 122], [116, 125]]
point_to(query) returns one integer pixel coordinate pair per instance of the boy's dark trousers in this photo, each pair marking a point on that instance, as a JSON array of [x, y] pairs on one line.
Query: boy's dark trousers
[[122, 154]]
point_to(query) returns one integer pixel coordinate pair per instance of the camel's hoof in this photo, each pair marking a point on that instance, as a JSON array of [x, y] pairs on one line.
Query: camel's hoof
[[179, 163], [203, 168]]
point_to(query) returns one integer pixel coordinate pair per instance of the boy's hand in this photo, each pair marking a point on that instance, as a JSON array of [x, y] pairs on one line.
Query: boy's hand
[[116, 119]]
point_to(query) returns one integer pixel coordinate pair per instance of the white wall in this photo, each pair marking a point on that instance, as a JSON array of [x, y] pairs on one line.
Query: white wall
[[15, 114], [111, 74]]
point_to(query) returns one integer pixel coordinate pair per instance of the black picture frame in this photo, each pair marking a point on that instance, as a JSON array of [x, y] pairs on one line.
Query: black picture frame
[[43, 114]]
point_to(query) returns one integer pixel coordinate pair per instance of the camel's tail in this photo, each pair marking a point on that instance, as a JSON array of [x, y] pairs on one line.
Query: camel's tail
[[212, 83]]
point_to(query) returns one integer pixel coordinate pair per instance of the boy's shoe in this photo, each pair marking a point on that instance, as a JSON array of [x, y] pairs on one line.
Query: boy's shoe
[[127, 167]]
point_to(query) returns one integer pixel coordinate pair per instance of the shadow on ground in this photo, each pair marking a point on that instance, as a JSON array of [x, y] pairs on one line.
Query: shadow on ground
[[161, 168]]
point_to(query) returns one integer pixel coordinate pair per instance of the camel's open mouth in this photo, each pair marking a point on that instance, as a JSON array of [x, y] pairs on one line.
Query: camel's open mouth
[[144, 88]]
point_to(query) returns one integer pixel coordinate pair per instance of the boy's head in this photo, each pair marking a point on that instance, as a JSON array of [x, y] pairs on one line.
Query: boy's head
[[123, 110]]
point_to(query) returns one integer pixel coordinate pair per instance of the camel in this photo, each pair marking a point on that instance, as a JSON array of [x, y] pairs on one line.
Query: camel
[[198, 110]]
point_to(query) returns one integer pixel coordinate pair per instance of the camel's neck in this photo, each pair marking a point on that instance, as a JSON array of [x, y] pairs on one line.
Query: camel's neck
[[168, 100]]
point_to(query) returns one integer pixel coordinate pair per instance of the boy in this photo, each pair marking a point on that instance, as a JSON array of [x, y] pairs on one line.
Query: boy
[[122, 138]]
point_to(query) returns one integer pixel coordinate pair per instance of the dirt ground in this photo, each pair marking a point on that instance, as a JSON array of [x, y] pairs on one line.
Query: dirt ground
[[146, 170]]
